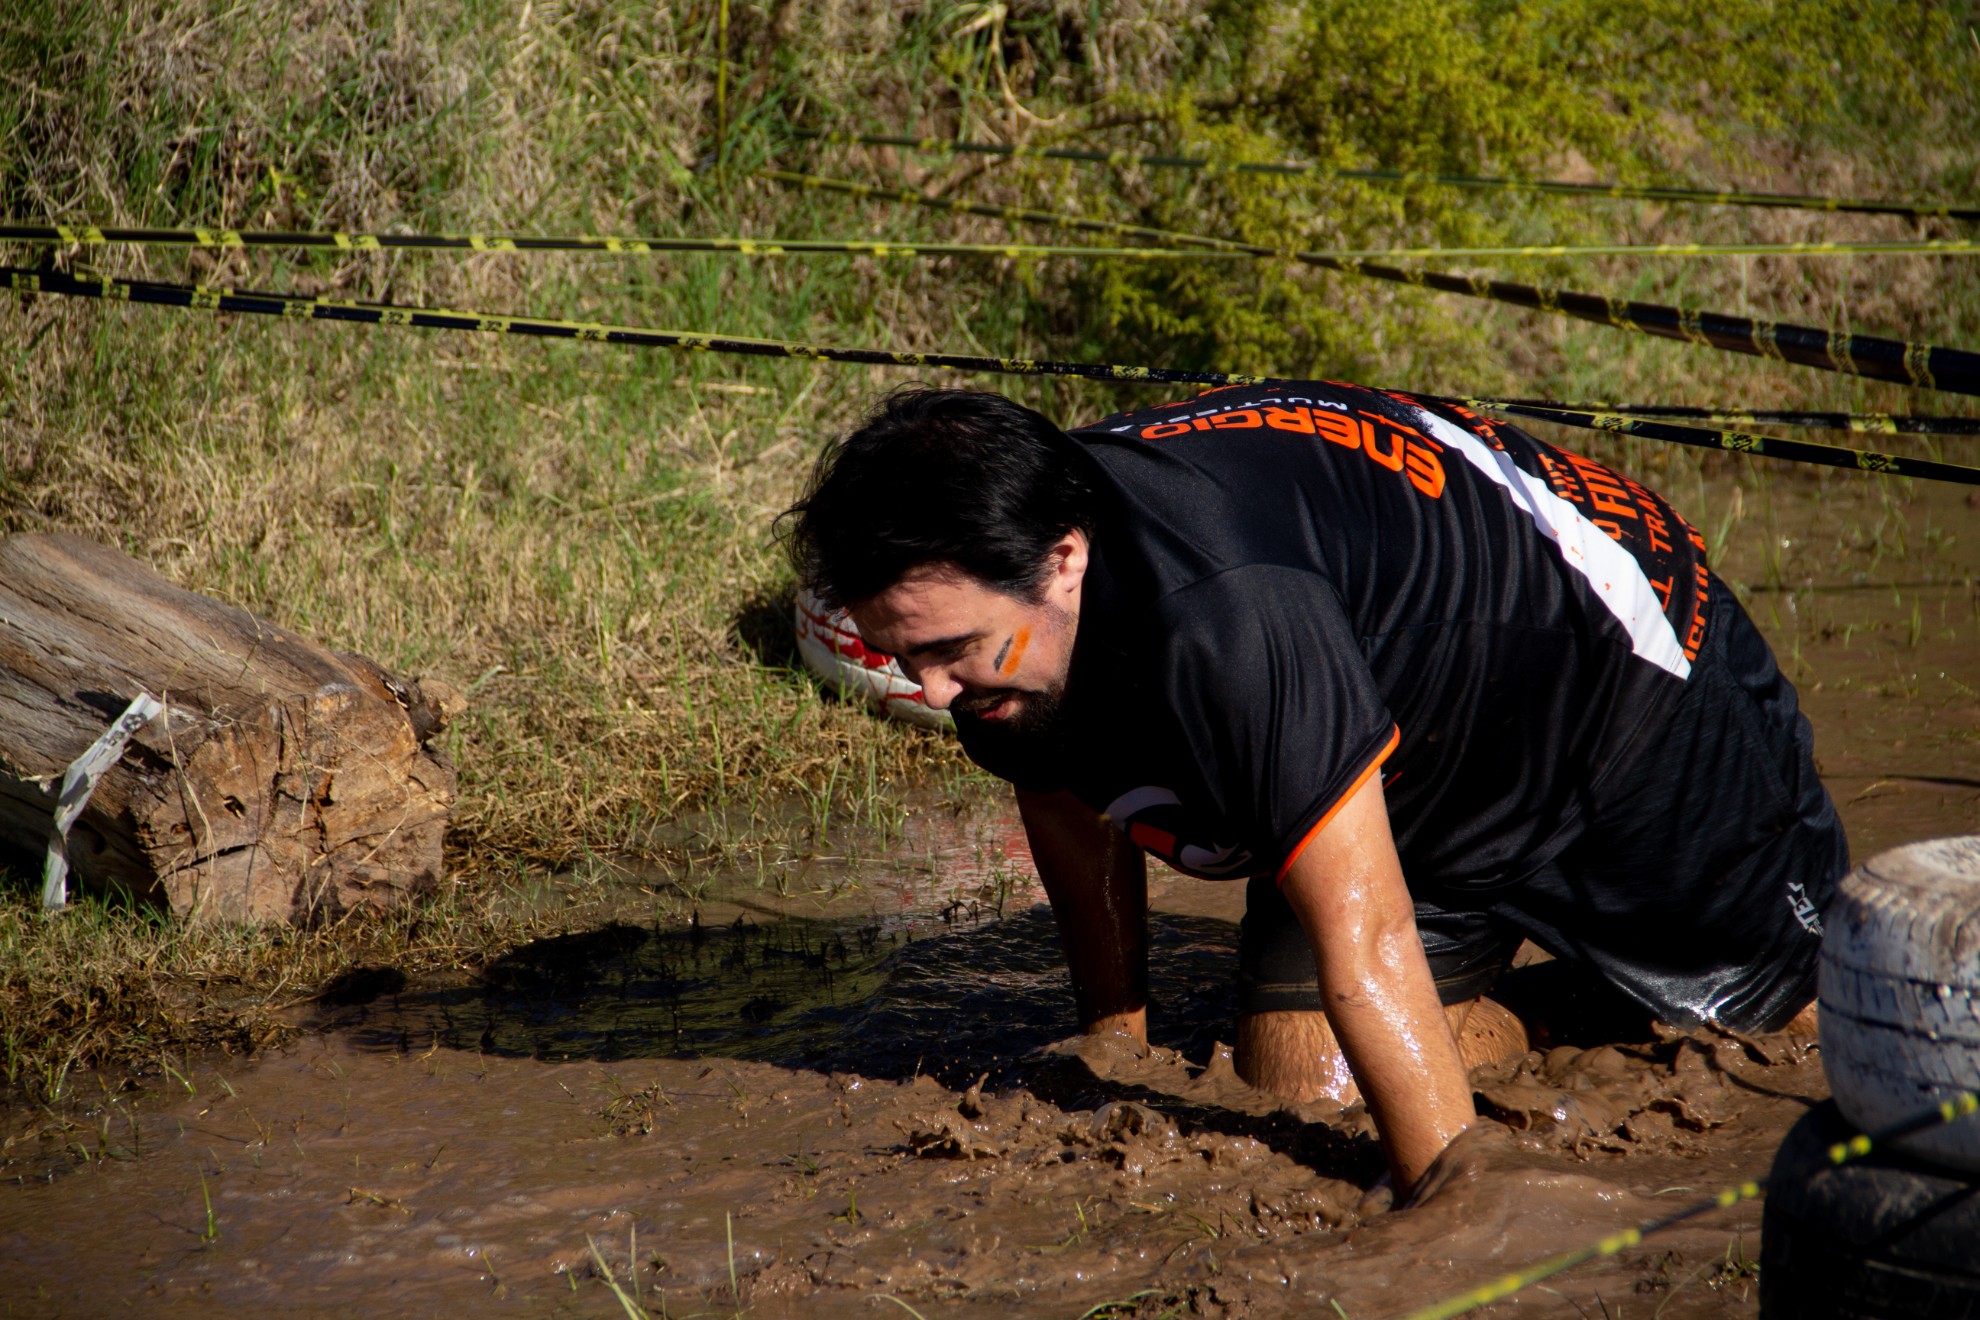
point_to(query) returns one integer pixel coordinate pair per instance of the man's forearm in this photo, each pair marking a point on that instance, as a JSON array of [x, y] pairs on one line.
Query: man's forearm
[[1098, 886], [1348, 891], [1384, 1010]]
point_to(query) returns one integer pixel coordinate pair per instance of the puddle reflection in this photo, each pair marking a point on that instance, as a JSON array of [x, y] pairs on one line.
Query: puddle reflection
[[826, 995]]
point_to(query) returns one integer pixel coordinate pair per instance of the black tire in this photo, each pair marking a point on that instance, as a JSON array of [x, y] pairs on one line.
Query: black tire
[[1883, 1237]]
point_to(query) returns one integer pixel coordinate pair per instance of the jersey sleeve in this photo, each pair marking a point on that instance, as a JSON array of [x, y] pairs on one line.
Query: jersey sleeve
[[1274, 697]]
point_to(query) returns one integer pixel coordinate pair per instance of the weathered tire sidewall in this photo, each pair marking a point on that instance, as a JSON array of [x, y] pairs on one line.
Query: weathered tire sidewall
[[1882, 1237], [1900, 992]]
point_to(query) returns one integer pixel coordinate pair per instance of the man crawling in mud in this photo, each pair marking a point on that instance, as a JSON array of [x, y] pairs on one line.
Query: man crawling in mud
[[1432, 686]]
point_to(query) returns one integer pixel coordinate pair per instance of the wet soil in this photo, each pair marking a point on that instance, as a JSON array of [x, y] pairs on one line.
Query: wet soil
[[854, 1098], [751, 1144]]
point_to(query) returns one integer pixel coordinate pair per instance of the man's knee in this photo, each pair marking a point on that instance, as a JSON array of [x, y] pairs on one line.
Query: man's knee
[[1295, 1055], [1489, 1033]]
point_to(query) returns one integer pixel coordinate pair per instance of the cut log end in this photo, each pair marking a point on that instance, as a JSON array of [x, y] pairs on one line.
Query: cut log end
[[284, 781]]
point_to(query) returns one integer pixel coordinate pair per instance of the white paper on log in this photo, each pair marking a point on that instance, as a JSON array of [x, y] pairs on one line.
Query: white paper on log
[[78, 784]]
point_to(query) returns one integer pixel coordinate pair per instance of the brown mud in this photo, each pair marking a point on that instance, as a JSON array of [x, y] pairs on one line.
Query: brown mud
[[428, 1156], [854, 1099]]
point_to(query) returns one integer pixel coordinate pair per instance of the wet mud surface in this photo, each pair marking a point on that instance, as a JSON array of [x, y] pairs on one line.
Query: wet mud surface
[[1870, 595], [856, 1100], [460, 1147]]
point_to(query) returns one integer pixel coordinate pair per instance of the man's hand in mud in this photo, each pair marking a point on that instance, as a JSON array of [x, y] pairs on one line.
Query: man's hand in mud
[[1098, 886], [1481, 1149], [1379, 1199]]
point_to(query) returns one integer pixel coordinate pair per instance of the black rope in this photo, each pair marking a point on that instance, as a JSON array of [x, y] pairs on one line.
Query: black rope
[[1925, 366], [194, 298]]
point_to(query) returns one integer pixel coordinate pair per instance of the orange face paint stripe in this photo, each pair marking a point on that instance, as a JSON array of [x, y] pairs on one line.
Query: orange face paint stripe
[[1010, 664], [1395, 738]]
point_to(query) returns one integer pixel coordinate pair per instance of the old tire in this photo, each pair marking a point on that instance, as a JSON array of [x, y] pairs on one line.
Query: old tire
[[1882, 1237], [832, 650], [1900, 993]]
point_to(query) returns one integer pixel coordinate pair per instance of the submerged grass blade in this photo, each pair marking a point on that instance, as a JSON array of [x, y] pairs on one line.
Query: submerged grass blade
[[627, 1303]]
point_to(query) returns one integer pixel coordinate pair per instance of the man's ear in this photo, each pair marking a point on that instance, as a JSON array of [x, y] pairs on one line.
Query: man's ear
[[1068, 559]]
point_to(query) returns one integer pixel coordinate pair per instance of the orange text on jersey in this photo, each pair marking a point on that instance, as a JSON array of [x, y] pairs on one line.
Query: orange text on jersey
[[1399, 448]]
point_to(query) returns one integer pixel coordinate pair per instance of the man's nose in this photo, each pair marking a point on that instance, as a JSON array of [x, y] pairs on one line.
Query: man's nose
[[937, 686]]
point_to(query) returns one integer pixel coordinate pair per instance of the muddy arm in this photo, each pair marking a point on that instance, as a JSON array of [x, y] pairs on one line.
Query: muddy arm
[[1098, 884], [1347, 888]]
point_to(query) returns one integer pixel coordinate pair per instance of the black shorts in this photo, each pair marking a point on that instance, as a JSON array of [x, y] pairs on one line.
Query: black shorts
[[1694, 887]]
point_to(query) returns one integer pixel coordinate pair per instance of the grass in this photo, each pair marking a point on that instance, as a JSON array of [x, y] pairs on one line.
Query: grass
[[576, 537], [211, 1233], [102, 982], [627, 1302]]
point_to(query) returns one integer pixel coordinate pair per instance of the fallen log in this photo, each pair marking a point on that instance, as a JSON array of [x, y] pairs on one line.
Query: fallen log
[[283, 781]]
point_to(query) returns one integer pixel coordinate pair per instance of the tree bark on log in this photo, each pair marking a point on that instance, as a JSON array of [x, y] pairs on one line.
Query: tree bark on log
[[283, 781]]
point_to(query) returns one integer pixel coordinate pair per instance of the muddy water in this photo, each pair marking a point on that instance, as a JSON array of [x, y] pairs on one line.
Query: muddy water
[[434, 1150], [1870, 595], [779, 1110]]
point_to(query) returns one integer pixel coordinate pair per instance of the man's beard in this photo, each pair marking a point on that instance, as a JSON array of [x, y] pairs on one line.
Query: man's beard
[[1040, 710], [1036, 716]]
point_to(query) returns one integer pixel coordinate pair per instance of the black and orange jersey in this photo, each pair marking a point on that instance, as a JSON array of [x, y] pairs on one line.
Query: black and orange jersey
[[1296, 586]]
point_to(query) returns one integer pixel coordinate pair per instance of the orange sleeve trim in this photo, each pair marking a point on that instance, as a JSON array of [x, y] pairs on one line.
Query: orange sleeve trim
[[1367, 771]]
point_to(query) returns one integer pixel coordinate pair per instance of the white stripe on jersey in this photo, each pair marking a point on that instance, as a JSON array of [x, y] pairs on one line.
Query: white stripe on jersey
[[1618, 580], [1137, 800]]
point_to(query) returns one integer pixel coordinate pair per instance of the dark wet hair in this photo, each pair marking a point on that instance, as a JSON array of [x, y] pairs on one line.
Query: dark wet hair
[[930, 475]]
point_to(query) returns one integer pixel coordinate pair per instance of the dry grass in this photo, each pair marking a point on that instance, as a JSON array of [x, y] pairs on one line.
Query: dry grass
[[576, 538]]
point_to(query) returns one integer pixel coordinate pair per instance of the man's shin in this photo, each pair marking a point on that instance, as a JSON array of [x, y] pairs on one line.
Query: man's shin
[[1295, 1055]]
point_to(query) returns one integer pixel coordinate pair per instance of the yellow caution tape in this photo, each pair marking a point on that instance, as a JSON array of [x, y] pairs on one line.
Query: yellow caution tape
[[1841, 1153], [99, 236], [1875, 423], [1923, 365], [434, 318]]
